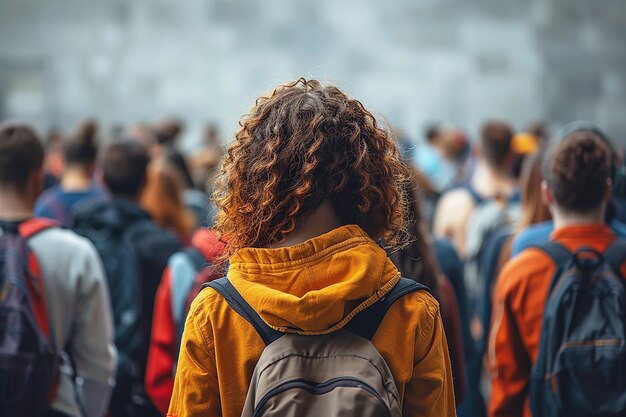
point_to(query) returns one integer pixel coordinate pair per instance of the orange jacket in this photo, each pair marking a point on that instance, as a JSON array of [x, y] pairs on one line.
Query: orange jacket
[[519, 300], [316, 287]]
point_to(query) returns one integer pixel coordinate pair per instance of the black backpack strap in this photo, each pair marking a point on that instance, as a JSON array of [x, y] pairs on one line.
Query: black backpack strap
[[557, 252], [241, 307], [366, 323], [615, 255]]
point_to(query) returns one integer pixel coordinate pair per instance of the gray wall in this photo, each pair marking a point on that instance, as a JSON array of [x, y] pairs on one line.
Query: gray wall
[[412, 61]]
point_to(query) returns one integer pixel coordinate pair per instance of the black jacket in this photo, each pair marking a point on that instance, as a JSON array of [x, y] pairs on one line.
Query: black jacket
[[131, 245]]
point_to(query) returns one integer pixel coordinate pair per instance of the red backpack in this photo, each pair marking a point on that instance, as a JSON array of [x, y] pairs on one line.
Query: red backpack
[[28, 355]]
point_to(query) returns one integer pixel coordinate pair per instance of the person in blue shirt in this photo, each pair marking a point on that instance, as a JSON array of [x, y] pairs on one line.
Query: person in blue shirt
[[77, 184]]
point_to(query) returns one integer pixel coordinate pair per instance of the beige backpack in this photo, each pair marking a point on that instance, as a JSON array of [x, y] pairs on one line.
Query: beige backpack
[[338, 374]]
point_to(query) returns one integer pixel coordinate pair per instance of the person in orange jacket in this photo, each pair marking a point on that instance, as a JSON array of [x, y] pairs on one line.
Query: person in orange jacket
[[310, 191], [187, 270], [577, 188]]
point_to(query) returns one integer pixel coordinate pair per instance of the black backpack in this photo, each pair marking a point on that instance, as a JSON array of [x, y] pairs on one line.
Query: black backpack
[[28, 355], [581, 365], [123, 270]]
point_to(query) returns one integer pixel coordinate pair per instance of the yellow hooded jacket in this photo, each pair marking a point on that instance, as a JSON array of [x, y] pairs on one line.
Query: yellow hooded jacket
[[312, 288]]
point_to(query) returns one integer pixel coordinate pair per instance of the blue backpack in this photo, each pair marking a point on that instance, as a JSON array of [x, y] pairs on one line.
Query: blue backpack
[[581, 365]]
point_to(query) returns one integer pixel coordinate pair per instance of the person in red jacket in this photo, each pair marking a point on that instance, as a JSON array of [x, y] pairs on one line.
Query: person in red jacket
[[188, 269]]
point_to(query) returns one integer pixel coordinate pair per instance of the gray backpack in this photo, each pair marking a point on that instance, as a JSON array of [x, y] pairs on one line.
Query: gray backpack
[[338, 374]]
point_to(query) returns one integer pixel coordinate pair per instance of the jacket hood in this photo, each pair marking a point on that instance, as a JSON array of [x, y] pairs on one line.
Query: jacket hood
[[208, 244], [113, 214], [315, 287]]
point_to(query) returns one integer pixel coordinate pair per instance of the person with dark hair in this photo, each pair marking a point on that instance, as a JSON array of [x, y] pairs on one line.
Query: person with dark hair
[[538, 232], [310, 190], [77, 183], [577, 188], [77, 309], [491, 180], [135, 253]]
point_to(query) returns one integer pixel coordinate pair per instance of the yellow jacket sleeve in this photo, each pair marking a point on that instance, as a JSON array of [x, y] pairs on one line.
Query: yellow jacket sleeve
[[196, 390], [430, 392]]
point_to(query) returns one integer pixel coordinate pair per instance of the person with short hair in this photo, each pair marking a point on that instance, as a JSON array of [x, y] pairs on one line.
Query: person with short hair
[[540, 231], [577, 188], [76, 292], [121, 220], [77, 183]]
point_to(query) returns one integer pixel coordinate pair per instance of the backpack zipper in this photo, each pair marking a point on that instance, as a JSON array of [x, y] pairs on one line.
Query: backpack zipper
[[551, 376], [319, 389]]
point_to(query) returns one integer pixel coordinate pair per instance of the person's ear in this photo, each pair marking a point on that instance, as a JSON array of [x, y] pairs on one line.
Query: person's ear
[[546, 194]]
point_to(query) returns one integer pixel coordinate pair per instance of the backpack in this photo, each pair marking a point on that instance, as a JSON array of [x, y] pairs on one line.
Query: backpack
[[186, 270], [581, 365], [490, 216], [337, 374], [29, 359], [122, 267]]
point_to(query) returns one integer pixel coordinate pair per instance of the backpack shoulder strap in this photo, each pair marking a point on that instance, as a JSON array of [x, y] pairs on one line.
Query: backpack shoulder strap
[[557, 252], [196, 257], [478, 199], [615, 255], [241, 307], [31, 227], [366, 323]]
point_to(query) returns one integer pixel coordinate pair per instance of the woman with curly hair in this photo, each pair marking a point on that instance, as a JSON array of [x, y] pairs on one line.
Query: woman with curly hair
[[311, 194]]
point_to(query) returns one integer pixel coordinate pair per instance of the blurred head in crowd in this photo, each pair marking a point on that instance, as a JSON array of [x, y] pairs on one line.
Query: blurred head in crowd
[[204, 162], [540, 130], [432, 132], [54, 163], [302, 148], [577, 173], [534, 209], [81, 150], [163, 199], [145, 134], [211, 135], [168, 130], [124, 167], [21, 164], [495, 144]]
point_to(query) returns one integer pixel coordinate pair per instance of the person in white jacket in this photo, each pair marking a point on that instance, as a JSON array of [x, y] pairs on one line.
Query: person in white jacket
[[76, 291]]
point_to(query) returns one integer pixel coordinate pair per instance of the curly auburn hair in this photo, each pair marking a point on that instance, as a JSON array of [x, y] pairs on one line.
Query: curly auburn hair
[[299, 146]]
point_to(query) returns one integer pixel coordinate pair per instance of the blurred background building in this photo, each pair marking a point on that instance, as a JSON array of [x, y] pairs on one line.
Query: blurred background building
[[412, 61]]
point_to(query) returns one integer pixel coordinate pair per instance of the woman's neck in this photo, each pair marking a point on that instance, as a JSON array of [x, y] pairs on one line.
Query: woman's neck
[[322, 220]]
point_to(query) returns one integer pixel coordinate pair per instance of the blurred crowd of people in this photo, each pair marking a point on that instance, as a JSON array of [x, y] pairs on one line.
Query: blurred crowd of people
[[133, 241]]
